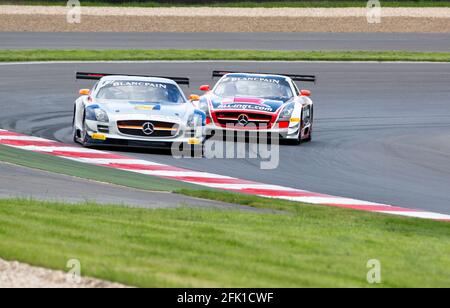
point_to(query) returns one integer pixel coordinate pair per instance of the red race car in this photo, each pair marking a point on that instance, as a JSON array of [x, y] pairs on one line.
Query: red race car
[[269, 103]]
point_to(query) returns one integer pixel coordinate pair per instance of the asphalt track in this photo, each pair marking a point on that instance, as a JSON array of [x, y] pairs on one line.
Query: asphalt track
[[250, 41], [382, 129]]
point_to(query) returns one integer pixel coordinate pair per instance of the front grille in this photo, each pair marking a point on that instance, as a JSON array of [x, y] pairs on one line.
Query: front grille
[[136, 128], [254, 119]]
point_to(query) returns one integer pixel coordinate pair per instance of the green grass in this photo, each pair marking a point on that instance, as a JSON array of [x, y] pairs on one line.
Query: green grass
[[221, 3], [311, 247], [249, 55]]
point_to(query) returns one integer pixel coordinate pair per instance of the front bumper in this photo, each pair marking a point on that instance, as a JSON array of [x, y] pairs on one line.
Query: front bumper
[[94, 139], [283, 133], [113, 137]]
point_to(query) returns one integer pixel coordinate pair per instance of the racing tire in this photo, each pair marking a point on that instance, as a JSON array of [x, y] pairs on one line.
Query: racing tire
[[309, 139], [75, 135], [74, 129], [83, 134]]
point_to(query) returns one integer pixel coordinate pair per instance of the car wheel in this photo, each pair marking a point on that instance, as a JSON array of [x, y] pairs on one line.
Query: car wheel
[[81, 135], [75, 135], [74, 129], [309, 137], [310, 132]]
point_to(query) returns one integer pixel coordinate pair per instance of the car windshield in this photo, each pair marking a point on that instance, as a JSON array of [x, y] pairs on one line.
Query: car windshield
[[261, 87], [141, 91]]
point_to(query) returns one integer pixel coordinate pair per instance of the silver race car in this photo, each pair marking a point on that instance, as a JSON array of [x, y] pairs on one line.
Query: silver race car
[[136, 111]]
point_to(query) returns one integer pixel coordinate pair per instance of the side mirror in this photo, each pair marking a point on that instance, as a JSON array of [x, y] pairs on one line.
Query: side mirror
[[205, 88], [194, 98], [305, 93], [85, 92]]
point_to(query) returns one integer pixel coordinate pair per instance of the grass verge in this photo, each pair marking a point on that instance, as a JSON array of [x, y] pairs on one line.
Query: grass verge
[[91, 172], [311, 247], [242, 55], [249, 4]]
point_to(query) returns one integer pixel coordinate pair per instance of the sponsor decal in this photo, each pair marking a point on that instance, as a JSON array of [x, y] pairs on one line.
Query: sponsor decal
[[156, 85], [194, 141], [145, 108], [96, 136], [246, 107], [259, 79]]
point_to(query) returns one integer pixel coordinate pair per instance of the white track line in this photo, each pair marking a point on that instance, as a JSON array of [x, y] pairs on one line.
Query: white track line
[[424, 215]]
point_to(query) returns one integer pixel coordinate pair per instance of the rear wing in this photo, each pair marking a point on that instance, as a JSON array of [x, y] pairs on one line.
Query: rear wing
[[98, 76], [306, 78]]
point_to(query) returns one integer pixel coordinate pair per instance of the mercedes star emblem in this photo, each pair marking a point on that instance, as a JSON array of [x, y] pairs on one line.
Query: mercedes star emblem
[[243, 120], [148, 128]]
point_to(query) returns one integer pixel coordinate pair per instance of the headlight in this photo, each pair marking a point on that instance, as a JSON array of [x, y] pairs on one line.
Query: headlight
[[96, 114], [287, 112], [101, 115]]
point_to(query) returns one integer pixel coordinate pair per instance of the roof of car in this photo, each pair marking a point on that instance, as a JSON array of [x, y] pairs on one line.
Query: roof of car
[[132, 78]]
